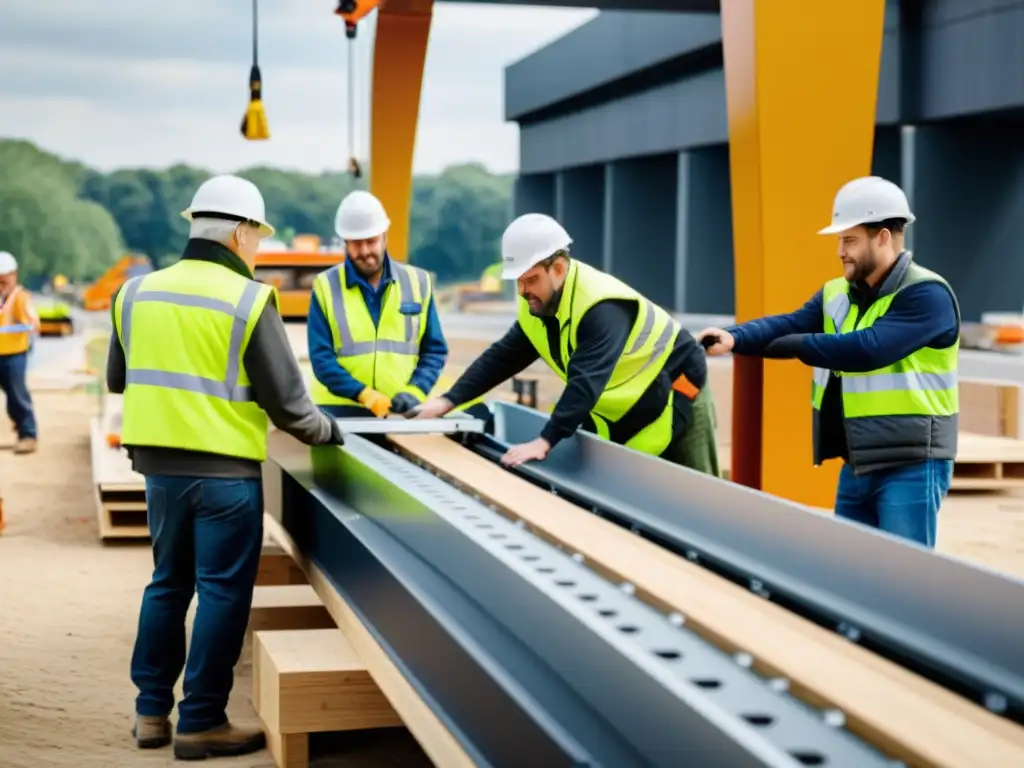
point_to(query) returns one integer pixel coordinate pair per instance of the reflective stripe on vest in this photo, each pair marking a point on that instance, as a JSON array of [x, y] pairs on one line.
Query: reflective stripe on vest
[[382, 357], [226, 388], [647, 350], [185, 330], [12, 313], [904, 411], [348, 347]]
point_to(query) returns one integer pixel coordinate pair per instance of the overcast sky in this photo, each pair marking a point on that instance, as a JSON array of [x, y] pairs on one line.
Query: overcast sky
[[118, 83]]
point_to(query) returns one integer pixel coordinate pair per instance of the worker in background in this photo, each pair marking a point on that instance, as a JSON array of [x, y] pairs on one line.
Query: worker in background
[[18, 321], [375, 341], [208, 361], [632, 374], [883, 342]]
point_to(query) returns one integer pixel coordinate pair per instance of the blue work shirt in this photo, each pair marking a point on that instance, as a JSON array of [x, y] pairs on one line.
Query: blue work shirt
[[324, 360]]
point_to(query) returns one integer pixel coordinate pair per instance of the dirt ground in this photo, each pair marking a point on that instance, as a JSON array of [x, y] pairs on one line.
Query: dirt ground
[[69, 606], [68, 612]]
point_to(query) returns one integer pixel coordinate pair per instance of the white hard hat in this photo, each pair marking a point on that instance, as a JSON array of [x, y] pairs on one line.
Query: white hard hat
[[867, 200], [530, 239], [229, 197], [8, 263], [360, 217]]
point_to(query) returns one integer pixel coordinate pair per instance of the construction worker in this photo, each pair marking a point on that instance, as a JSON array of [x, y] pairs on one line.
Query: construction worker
[[632, 374], [208, 361], [18, 321], [375, 341], [883, 342]]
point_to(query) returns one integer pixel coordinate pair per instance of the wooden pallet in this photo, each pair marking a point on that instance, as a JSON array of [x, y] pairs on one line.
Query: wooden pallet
[[120, 492], [986, 463]]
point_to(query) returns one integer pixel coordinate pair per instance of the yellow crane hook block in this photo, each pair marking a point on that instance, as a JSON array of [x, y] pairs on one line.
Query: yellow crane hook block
[[354, 11], [254, 124]]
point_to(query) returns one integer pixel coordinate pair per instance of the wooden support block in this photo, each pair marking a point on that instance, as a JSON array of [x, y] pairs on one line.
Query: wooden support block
[[291, 606], [312, 681], [277, 568]]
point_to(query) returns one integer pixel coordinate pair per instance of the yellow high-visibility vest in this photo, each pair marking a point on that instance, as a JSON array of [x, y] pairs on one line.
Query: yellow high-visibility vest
[[382, 357], [903, 412], [647, 350], [184, 330]]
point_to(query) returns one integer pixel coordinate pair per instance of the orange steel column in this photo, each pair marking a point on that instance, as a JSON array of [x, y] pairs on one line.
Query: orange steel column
[[400, 50], [801, 87]]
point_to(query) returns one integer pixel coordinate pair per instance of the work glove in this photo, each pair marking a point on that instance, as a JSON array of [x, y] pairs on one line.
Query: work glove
[[379, 404], [403, 402], [337, 436]]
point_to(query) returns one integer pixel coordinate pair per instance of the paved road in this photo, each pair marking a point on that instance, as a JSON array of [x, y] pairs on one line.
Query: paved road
[[974, 364]]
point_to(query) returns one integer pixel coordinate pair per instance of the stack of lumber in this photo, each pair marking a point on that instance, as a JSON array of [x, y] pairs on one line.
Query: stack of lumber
[[120, 491]]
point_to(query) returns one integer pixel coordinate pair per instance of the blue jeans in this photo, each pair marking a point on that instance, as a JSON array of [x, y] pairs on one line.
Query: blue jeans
[[14, 384], [903, 501], [207, 535]]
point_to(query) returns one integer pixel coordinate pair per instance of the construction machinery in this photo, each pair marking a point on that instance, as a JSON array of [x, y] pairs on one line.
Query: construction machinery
[[292, 269], [54, 318], [97, 297]]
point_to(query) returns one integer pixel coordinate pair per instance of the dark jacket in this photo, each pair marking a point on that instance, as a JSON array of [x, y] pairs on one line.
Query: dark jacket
[[921, 315], [276, 380], [601, 339]]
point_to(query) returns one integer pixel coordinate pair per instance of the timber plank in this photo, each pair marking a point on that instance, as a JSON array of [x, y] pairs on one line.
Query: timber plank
[[905, 715], [433, 736]]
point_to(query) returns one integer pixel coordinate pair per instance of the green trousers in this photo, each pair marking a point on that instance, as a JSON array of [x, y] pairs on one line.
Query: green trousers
[[698, 448]]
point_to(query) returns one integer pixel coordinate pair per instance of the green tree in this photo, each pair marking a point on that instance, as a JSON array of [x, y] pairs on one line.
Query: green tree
[[44, 222], [65, 217]]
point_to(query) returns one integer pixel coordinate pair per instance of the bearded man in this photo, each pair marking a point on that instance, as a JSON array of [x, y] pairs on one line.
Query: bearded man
[[883, 340]]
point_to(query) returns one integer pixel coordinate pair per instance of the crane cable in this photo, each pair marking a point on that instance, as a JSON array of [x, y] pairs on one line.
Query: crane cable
[[254, 124], [354, 166]]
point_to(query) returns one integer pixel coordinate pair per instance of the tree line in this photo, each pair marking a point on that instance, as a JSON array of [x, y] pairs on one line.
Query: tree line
[[61, 217]]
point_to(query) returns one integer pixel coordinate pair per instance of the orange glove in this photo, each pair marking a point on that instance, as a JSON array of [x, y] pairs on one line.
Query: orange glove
[[378, 403]]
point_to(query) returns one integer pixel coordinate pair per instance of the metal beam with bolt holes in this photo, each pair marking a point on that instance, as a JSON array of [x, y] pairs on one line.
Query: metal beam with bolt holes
[[947, 620], [508, 639]]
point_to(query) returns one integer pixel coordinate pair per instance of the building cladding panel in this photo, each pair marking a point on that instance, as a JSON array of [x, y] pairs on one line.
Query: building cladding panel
[[690, 113], [625, 42], [967, 50], [972, 57], [684, 114]]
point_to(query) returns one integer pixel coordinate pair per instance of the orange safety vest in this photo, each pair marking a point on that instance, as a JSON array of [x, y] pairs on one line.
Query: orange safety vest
[[14, 311]]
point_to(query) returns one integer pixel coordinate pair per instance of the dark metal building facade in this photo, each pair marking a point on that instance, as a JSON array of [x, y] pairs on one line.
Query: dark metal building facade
[[623, 137]]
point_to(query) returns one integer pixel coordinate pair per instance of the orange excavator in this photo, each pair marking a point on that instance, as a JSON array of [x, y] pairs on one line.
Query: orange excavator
[[97, 297]]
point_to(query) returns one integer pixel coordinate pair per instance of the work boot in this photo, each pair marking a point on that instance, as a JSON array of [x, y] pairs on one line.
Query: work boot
[[151, 732], [25, 445], [223, 741]]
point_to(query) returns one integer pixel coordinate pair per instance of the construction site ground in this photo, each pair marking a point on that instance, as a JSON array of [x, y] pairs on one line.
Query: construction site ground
[[70, 603]]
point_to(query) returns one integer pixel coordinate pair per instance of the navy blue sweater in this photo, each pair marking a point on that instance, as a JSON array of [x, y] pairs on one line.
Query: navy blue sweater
[[921, 315], [324, 361]]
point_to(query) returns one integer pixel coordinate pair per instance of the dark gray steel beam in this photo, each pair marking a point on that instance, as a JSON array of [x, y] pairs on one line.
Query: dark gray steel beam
[[528, 656], [955, 623]]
